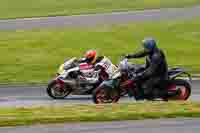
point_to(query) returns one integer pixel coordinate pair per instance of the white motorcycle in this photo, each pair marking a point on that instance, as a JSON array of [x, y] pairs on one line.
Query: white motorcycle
[[76, 78]]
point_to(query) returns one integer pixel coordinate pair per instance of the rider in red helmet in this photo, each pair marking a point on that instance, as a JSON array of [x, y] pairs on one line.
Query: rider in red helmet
[[100, 63]]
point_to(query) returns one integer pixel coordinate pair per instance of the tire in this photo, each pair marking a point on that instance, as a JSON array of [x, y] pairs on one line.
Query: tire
[[183, 86], [52, 85], [104, 94]]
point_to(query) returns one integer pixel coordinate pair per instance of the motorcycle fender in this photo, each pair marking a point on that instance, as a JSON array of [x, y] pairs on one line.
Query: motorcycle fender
[[172, 77]]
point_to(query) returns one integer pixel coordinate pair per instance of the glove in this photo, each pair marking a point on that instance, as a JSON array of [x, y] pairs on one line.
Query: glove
[[128, 56]]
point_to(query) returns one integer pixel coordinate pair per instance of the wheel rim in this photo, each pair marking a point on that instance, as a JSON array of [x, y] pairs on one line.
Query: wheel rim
[[59, 92], [184, 92], [101, 97]]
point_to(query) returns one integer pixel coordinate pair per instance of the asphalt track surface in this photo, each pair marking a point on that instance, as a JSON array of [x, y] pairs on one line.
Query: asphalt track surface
[[146, 126], [30, 95], [106, 18]]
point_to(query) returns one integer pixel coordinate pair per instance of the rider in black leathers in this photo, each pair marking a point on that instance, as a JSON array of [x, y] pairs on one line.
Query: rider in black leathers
[[156, 70]]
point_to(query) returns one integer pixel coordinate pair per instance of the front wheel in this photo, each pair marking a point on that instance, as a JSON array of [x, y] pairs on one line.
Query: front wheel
[[182, 87], [104, 94], [56, 91]]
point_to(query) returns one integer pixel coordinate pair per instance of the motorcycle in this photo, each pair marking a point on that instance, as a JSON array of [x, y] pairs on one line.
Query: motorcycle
[[70, 79], [122, 83], [78, 77]]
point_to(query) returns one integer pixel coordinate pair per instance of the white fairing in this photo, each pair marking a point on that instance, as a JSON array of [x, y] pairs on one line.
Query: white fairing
[[65, 73], [116, 74], [89, 73], [87, 70], [107, 64], [66, 65]]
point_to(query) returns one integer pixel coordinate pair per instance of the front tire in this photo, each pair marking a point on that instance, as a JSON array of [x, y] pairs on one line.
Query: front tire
[[103, 94], [55, 91]]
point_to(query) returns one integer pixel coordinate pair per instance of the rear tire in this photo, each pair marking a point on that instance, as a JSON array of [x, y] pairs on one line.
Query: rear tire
[[103, 94], [183, 86], [51, 90]]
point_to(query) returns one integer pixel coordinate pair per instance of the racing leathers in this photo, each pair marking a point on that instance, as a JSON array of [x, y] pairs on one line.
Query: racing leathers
[[156, 70], [101, 70]]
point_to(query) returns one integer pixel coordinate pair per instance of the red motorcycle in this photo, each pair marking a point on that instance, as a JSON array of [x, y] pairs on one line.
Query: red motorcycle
[[122, 82]]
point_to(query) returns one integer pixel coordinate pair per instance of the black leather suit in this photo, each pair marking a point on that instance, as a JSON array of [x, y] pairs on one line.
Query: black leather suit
[[156, 70]]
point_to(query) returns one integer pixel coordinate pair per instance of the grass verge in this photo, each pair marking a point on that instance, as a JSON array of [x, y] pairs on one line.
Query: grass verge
[[38, 8], [90, 113], [34, 56]]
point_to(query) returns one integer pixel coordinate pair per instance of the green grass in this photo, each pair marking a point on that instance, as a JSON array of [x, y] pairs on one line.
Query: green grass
[[36, 8], [34, 56], [87, 113]]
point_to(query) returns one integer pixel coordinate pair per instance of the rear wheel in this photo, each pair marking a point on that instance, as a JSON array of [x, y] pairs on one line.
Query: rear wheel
[[183, 88], [105, 94], [56, 91]]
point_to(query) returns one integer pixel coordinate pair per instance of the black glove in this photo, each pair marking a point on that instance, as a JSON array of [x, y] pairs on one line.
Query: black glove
[[128, 56]]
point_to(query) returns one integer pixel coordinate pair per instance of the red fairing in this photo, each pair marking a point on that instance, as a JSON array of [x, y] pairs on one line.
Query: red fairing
[[85, 66]]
